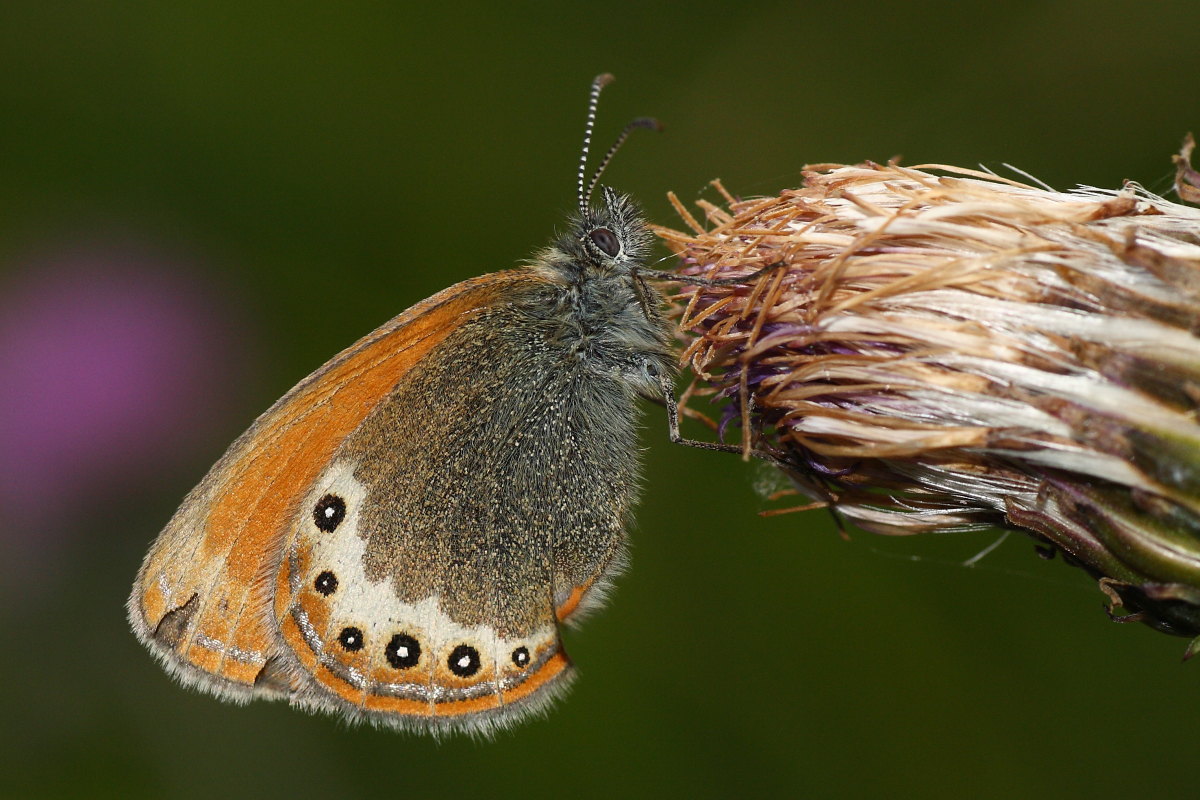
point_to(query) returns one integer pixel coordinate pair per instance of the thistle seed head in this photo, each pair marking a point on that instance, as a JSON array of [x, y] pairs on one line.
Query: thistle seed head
[[939, 349]]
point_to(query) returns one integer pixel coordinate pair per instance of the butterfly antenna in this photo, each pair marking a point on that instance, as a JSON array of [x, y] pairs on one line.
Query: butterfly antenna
[[593, 100], [640, 122], [585, 192]]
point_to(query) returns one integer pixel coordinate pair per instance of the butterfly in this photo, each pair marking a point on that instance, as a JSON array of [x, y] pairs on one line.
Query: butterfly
[[400, 538]]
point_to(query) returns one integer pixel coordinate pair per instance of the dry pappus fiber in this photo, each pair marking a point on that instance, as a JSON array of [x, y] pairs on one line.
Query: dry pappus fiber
[[937, 349]]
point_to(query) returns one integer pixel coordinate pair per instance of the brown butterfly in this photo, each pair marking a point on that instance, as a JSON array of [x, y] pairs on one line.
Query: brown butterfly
[[399, 537]]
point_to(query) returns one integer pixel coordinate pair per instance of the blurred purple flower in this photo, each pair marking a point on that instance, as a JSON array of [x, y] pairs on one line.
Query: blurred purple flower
[[113, 363]]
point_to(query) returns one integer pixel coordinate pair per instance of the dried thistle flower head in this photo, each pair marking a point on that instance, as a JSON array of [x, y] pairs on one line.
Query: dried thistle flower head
[[937, 349]]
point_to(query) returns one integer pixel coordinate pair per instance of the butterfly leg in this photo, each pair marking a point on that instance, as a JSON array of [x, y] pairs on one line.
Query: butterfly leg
[[668, 399], [671, 403]]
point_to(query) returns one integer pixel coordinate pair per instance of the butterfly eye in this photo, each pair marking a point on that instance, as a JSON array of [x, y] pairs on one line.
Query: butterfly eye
[[607, 241]]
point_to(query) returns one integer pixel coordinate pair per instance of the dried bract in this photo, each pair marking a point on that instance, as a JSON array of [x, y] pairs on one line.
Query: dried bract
[[937, 349]]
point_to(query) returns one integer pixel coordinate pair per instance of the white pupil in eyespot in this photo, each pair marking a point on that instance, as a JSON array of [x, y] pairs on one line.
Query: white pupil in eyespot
[[329, 512], [464, 662]]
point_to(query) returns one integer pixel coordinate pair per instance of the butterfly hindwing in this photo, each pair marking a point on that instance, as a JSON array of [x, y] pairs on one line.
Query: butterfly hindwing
[[399, 536], [202, 597], [457, 517]]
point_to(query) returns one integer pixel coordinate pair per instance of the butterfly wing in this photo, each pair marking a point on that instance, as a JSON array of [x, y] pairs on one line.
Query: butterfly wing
[[398, 536]]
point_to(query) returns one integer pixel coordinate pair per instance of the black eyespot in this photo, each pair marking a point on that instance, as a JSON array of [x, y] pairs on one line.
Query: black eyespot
[[607, 241], [520, 656], [403, 651], [329, 513], [326, 583], [464, 661], [351, 639]]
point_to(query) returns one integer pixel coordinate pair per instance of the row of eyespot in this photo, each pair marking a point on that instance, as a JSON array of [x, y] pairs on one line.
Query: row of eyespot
[[404, 652]]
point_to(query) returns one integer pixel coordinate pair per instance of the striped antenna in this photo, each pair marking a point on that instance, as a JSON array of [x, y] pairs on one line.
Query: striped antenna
[[593, 100], [640, 122]]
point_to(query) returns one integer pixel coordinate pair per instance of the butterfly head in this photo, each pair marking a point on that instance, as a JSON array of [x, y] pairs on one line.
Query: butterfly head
[[611, 237]]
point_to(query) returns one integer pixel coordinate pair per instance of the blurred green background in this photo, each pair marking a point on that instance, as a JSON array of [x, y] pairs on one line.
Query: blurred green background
[[201, 203]]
